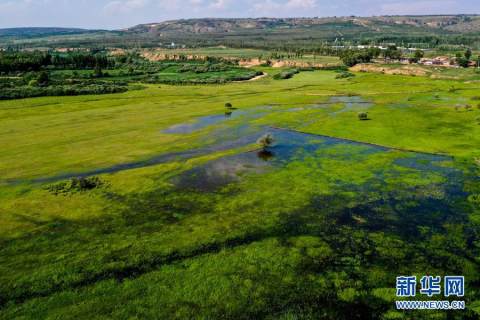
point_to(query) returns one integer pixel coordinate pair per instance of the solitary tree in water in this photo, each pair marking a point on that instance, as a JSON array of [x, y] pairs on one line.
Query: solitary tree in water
[[266, 141]]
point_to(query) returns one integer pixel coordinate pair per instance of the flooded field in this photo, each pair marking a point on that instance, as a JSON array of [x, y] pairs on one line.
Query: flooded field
[[167, 201]]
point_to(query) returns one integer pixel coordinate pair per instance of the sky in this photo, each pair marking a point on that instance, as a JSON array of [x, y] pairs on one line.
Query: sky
[[117, 14]]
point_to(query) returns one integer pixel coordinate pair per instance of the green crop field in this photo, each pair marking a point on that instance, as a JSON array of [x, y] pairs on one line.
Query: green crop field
[[223, 52], [159, 203]]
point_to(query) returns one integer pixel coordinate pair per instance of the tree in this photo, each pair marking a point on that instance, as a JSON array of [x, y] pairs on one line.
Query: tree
[[463, 62], [353, 57], [43, 79], [417, 56], [349, 59], [266, 141], [468, 54], [228, 105], [392, 53], [374, 52], [98, 73]]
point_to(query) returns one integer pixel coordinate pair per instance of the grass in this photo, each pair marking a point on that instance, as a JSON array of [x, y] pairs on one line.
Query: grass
[[309, 238]]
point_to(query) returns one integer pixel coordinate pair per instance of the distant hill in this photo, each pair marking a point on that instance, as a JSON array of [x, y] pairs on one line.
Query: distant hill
[[308, 32], [448, 23], [456, 23], [430, 31], [40, 32]]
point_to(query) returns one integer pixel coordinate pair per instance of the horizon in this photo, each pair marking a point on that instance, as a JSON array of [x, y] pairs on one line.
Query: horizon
[[121, 14], [239, 18]]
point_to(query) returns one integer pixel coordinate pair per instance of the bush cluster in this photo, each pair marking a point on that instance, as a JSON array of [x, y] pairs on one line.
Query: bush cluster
[[287, 74], [75, 185], [344, 74], [60, 90]]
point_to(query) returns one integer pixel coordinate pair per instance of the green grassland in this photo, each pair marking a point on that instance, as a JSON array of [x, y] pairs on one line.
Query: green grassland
[[319, 233]]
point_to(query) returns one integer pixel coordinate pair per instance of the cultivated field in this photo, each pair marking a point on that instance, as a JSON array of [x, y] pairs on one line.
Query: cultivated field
[[249, 54]]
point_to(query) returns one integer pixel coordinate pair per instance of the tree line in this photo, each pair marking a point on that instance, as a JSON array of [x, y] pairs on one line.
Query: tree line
[[24, 61]]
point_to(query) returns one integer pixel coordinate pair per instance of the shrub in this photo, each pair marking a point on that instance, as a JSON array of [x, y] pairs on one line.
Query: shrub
[[286, 74], [266, 141], [344, 74], [228, 105], [363, 116], [463, 62], [61, 90], [267, 63], [43, 79], [452, 89], [75, 185]]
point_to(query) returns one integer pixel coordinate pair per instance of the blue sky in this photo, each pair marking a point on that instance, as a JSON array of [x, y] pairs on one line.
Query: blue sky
[[114, 14]]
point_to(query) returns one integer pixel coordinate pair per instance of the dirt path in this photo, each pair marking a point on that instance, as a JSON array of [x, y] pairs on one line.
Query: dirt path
[[263, 75], [254, 78]]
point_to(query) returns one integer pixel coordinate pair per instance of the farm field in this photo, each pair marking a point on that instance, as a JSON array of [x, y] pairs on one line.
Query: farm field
[[224, 52], [159, 203]]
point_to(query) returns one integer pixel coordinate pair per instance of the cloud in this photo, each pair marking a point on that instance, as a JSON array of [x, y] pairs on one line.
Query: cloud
[[118, 6], [420, 7], [301, 4], [288, 8], [219, 4], [11, 6]]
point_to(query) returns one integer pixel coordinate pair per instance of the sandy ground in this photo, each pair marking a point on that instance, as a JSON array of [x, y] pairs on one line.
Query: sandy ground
[[403, 70]]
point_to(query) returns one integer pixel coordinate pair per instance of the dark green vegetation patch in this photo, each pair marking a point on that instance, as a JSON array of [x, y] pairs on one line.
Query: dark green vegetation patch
[[34, 74], [75, 185]]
